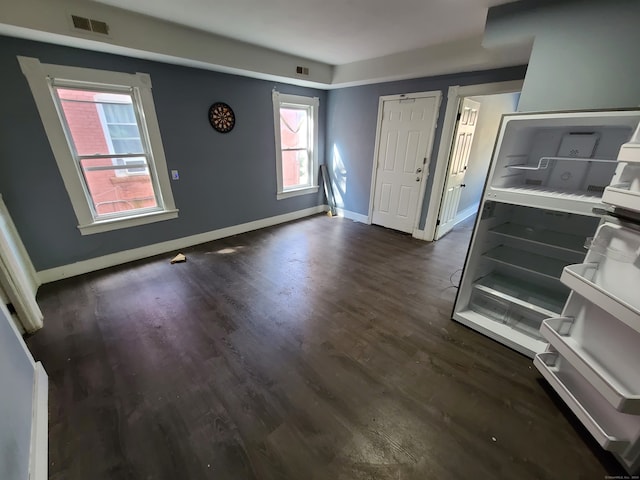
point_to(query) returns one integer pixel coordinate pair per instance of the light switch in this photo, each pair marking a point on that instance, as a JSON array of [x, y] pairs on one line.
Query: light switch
[[175, 175]]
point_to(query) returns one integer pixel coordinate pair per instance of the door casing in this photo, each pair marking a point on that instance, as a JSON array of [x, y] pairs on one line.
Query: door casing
[[423, 181]]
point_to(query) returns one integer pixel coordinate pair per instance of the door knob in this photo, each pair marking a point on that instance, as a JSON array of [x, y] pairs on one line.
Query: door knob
[[463, 185], [419, 170], [417, 179]]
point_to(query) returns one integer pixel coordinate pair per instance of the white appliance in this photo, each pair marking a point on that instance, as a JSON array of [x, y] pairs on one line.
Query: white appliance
[[593, 357], [548, 172], [526, 281]]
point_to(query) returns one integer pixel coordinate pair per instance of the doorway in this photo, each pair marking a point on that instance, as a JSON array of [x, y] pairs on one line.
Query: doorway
[[404, 139], [470, 128]]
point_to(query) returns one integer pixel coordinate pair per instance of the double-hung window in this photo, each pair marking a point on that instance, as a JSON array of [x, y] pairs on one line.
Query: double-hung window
[[296, 129], [105, 138]]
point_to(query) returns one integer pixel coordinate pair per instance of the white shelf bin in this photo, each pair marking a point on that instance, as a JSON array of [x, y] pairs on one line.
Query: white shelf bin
[[614, 431], [630, 152], [570, 337], [624, 190], [582, 279]]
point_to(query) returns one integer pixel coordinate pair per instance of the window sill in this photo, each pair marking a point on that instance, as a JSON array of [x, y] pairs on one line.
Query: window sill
[[296, 192], [117, 223]]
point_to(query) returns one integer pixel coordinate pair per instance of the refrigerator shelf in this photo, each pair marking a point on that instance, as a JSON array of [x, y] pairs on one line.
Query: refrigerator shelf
[[543, 162], [613, 430], [522, 260], [580, 279], [623, 397], [581, 202], [541, 236], [544, 301]]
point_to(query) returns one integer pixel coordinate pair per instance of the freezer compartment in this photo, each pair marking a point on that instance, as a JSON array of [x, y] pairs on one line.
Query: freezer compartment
[[604, 351], [624, 190], [613, 430], [561, 161]]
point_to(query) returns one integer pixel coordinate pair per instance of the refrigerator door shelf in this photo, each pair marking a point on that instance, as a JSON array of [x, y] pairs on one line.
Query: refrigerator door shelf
[[614, 431], [580, 279], [568, 342], [624, 190]]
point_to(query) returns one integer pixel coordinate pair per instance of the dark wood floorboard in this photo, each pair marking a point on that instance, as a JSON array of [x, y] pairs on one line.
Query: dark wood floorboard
[[319, 349]]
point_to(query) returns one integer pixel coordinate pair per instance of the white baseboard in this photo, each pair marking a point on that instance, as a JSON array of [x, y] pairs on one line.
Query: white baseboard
[[39, 455], [118, 258], [356, 217], [466, 213]]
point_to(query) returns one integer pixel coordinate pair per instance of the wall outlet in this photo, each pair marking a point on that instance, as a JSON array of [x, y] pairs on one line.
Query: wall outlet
[[175, 175]]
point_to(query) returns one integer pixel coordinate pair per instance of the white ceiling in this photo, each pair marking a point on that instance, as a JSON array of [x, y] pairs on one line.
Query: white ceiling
[[330, 31]]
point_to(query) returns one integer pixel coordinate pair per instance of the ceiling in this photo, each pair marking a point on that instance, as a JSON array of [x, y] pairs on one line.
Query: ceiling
[[335, 32]]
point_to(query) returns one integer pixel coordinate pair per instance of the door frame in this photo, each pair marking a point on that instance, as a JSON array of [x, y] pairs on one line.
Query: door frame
[[454, 97], [437, 94]]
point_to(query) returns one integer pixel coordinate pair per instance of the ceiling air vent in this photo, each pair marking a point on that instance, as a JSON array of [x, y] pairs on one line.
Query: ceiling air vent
[[90, 25], [81, 22], [302, 70]]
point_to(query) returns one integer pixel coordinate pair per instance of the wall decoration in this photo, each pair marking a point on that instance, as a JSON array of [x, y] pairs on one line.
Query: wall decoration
[[221, 117]]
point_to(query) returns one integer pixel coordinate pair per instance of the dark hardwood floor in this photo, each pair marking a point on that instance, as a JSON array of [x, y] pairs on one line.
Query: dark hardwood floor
[[319, 349]]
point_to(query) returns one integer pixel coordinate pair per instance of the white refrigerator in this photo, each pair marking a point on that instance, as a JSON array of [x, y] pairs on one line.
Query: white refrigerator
[[552, 275]]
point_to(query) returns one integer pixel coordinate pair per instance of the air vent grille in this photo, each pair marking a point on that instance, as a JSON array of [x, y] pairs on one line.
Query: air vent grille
[[90, 25], [99, 27], [81, 22], [302, 70]]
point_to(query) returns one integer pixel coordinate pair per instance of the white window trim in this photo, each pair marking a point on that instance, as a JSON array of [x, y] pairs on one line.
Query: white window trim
[[280, 99], [37, 75]]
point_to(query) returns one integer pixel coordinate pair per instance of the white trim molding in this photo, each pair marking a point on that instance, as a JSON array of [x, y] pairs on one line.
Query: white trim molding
[[462, 215], [310, 105], [423, 181], [454, 97], [42, 78], [118, 258], [356, 217]]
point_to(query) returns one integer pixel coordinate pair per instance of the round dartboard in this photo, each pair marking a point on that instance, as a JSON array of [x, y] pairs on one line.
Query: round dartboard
[[222, 117]]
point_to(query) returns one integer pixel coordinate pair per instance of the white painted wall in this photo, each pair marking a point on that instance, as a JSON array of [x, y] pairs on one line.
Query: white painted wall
[[491, 110], [584, 55], [17, 375]]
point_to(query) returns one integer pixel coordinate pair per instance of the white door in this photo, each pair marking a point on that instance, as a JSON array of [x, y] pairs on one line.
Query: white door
[[458, 162], [405, 135]]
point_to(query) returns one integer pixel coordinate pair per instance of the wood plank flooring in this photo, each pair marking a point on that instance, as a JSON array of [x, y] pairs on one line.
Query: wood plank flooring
[[319, 349]]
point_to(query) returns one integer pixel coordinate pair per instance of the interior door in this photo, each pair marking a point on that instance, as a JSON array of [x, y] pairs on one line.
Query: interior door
[[406, 132], [458, 162]]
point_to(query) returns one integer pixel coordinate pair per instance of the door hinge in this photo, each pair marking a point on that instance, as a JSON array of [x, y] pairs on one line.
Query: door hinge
[[459, 116], [437, 223], [424, 161]]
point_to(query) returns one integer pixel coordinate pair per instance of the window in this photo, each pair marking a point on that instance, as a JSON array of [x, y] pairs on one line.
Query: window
[[105, 138], [296, 129]]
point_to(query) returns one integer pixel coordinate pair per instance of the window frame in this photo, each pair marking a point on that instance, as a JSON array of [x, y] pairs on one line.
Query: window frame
[[281, 100], [41, 78]]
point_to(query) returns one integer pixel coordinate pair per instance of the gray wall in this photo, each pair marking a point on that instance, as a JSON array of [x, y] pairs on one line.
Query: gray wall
[[352, 118], [224, 179], [491, 109], [16, 402], [584, 54]]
